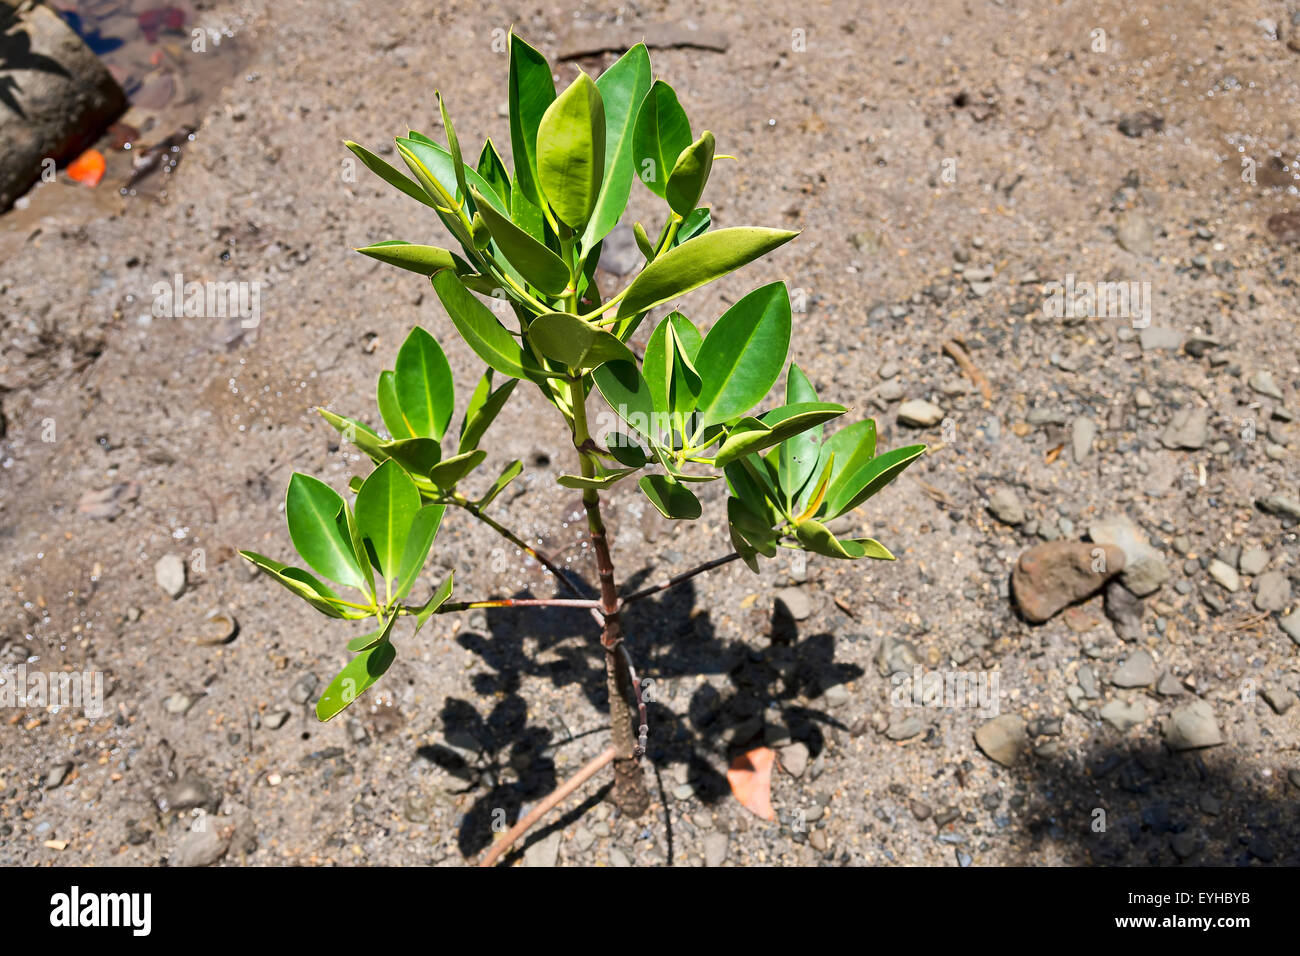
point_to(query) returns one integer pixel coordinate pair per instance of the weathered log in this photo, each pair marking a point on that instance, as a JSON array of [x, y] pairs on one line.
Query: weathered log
[[55, 96]]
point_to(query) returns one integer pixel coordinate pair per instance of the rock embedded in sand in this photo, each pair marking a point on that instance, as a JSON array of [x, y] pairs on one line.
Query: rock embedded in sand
[[1051, 576]]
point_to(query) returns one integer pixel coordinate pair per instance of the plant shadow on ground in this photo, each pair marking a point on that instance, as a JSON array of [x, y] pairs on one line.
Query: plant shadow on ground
[[754, 690], [1208, 804]]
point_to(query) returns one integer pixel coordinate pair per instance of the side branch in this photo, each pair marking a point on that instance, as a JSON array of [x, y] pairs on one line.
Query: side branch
[[454, 606], [518, 542], [680, 578]]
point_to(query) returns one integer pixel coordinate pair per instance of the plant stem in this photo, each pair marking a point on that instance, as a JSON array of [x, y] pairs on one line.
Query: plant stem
[[680, 578], [516, 602], [461, 501], [630, 794], [495, 851]]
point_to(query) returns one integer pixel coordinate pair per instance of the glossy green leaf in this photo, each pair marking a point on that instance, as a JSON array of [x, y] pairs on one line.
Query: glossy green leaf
[[625, 390], [417, 456], [755, 434], [425, 260], [347, 521], [757, 532], [744, 352], [604, 480], [438, 163], [575, 342], [453, 148], [749, 489], [526, 214], [816, 537], [314, 592], [386, 505], [366, 641], [436, 600], [696, 263], [481, 330], [313, 509], [536, 263], [799, 453], [571, 152], [390, 409], [532, 90], [625, 450], [690, 174], [451, 470], [866, 548], [669, 365], [355, 679], [390, 174], [674, 500], [622, 89], [850, 489], [660, 134], [643, 241], [422, 381], [511, 472], [853, 446], [696, 224], [419, 539], [493, 171], [483, 410]]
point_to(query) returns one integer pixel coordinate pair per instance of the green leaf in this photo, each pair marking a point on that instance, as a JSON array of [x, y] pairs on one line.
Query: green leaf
[[355, 679], [673, 500], [622, 88], [390, 408], [749, 489], [849, 490], [493, 171], [626, 451], [423, 385], [696, 224], [417, 456], [439, 164], [536, 263], [604, 480], [626, 392], [480, 329], [451, 470], [390, 174], [314, 592], [352, 533], [690, 174], [757, 532], [532, 90], [669, 366], [453, 147], [386, 505], [366, 641], [754, 434], [425, 260], [799, 454], [743, 353], [511, 472], [696, 263], [419, 539], [436, 600], [853, 446], [816, 537], [526, 214], [866, 548], [313, 509], [575, 342], [356, 432], [661, 132], [483, 410], [643, 241], [571, 152]]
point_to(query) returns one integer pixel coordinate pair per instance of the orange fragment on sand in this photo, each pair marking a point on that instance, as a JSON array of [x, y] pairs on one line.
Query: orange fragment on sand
[[88, 168], [750, 777]]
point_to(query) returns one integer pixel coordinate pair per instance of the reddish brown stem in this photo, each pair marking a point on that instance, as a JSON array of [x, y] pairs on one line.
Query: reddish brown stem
[[680, 578]]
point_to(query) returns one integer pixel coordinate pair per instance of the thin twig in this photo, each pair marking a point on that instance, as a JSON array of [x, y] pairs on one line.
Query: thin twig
[[678, 579], [953, 348], [514, 539], [454, 606], [536, 813]]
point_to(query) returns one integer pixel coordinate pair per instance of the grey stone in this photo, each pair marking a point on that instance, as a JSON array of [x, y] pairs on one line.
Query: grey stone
[[303, 688], [1124, 715], [904, 729], [1193, 726], [1225, 574], [274, 720], [1005, 505], [1169, 685], [583, 838], [1272, 591], [715, 849], [1144, 571], [1291, 626], [1253, 561], [618, 858], [57, 774], [1133, 231], [185, 794], [796, 602], [794, 759], [1138, 670], [169, 572], [1184, 844], [895, 656], [1002, 739], [1279, 698], [1188, 429], [1155, 338], [1081, 437], [201, 847], [1262, 382], [544, 852], [835, 696], [179, 703], [918, 413], [1284, 507], [1125, 610]]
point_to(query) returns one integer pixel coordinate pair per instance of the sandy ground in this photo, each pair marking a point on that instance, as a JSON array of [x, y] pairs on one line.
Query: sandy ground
[[917, 146]]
